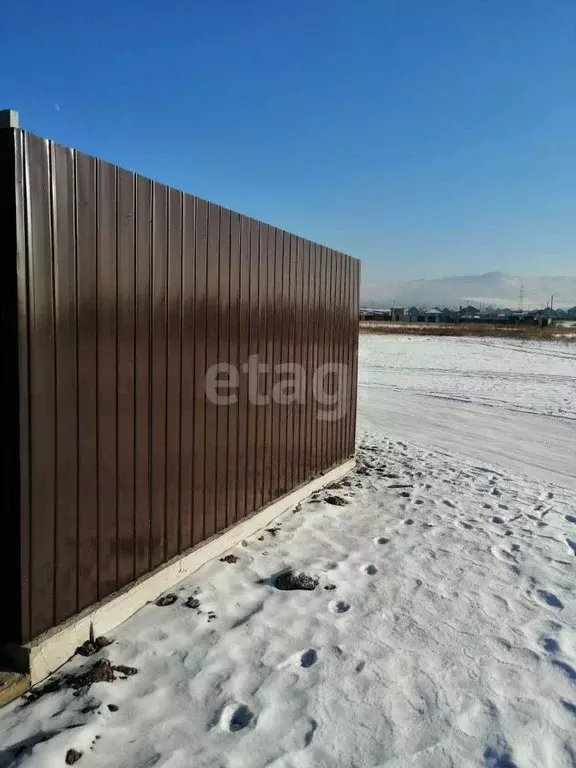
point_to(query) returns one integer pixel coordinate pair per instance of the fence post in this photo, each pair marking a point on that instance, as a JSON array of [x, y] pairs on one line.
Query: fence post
[[9, 118], [10, 563]]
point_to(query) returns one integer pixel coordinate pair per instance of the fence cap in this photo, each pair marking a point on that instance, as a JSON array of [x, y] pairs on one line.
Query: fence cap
[[9, 118]]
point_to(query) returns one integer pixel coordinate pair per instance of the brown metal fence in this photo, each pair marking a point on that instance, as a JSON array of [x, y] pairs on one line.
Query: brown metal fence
[[118, 294]]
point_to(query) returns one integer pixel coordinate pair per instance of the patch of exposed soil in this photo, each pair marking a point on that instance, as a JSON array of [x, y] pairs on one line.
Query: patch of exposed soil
[[289, 580], [338, 501], [166, 600], [100, 672], [91, 647]]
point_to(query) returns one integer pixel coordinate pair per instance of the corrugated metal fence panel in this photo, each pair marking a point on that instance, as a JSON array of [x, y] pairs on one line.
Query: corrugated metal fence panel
[[200, 340], [142, 363], [186, 457], [14, 480], [86, 318], [126, 293], [66, 369], [126, 368], [42, 402]]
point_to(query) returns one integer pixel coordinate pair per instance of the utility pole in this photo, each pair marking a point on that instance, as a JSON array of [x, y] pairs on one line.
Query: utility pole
[[521, 298]]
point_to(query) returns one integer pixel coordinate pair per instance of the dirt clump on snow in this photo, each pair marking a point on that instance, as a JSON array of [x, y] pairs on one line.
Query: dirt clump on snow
[[289, 580], [166, 600], [337, 501], [91, 647], [101, 672]]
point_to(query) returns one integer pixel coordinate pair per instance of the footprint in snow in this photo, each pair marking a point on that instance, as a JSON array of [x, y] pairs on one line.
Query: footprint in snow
[[370, 570], [409, 521], [503, 555], [495, 759], [572, 545], [496, 519], [552, 626], [309, 735], [381, 540], [569, 707], [570, 519], [549, 598], [550, 645], [569, 671], [236, 717], [449, 503], [339, 606], [308, 658]]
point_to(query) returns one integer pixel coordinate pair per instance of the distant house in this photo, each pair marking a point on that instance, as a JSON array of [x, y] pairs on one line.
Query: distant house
[[415, 315], [398, 314], [448, 316], [434, 315], [469, 313]]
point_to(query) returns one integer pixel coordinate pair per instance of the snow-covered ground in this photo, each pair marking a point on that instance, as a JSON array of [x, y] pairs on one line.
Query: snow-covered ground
[[441, 632], [509, 402]]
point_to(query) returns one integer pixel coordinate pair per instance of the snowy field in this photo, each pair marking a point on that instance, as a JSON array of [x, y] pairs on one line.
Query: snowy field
[[441, 629], [509, 402]]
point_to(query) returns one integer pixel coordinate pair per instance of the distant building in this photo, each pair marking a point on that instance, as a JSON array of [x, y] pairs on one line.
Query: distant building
[[398, 314], [434, 315], [415, 315], [469, 313], [448, 316], [368, 313]]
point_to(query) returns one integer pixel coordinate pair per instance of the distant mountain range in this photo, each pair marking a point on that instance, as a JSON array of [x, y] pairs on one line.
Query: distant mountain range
[[493, 288]]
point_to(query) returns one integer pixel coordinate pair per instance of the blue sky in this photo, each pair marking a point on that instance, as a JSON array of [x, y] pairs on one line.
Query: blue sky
[[427, 137]]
